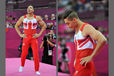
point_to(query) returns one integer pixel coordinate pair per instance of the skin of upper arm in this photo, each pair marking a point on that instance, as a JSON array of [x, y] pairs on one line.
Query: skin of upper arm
[[41, 22], [92, 32], [20, 21]]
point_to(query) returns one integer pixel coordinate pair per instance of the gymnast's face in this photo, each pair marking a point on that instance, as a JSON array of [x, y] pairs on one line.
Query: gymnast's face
[[71, 23], [30, 9]]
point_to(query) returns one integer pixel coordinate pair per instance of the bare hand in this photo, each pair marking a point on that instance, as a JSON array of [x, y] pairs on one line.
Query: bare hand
[[36, 35], [23, 36], [85, 60]]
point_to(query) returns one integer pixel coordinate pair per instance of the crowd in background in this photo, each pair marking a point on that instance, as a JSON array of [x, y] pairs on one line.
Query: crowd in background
[[83, 5], [49, 20]]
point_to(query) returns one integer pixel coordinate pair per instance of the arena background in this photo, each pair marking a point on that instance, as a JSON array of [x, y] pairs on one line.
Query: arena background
[[94, 12], [15, 9]]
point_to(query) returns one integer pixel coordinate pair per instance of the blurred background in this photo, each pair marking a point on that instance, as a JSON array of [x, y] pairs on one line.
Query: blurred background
[[94, 12], [17, 8]]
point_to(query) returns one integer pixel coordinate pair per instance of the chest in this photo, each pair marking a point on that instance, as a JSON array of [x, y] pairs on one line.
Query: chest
[[29, 24], [79, 36]]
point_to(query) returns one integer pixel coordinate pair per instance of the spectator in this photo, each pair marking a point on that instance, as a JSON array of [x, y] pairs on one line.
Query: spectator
[[53, 17], [46, 17], [52, 32], [88, 6], [48, 45], [7, 25], [59, 66], [10, 17], [63, 58], [10, 25], [6, 18]]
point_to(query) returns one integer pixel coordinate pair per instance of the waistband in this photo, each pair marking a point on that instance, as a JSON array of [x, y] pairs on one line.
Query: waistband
[[29, 31]]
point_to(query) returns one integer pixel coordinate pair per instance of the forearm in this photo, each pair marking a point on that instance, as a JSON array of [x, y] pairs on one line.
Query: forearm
[[17, 24], [42, 30], [99, 46], [17, 29], [41, 46], [42, 23], [50, 43]]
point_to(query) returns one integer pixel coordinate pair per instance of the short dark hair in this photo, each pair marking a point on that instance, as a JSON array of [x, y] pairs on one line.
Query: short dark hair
[[70, 14], [31, 5]]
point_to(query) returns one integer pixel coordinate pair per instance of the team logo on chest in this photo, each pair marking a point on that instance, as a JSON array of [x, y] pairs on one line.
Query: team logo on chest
[[25, 24], [29, 24], [32, 24]]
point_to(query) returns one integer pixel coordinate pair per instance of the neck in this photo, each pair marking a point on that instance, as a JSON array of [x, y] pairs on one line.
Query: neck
[[30, 14], [79, 25]]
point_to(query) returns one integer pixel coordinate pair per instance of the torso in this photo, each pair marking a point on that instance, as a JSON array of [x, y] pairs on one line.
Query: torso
[[30, 25], [83, 42]]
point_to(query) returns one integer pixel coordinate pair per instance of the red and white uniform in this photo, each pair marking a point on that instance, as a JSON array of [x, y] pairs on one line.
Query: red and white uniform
[[30, 29], [84, 47], [29, 25]]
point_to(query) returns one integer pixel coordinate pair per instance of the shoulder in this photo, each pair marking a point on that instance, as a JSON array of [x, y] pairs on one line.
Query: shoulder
[[88, 27], [22, 17], [38, 17]]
